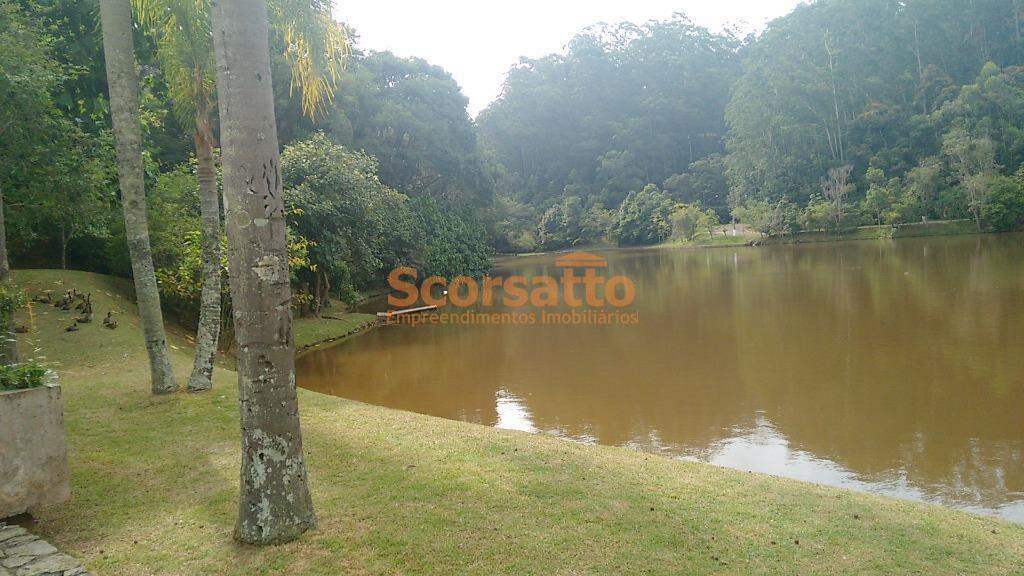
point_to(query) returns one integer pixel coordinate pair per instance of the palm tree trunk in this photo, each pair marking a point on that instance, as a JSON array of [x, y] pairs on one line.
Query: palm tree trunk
[[123, 83], [9, 343], [274, 504], [209, 308]]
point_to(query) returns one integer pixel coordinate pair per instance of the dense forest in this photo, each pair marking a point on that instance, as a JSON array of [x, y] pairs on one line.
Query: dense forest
[[840, 114], [843, 112]]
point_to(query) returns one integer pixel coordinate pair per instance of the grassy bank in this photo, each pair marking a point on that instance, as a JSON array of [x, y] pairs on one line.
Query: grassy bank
[[154, 484], [915, 230], [330, 328]]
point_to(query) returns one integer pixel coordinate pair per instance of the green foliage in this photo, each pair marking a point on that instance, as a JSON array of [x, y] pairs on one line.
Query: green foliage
[[704, 184], [924, 101], [411, 116], [972, 159], [571, 224], [689, 222], [449, 241], [22, 376], [874, 84], [627, 104], [643, 218], [924, 182], [817, 215], [511, 224], [1005, 208], [881, 196], [11, 298], [774, 219], [359, 228]]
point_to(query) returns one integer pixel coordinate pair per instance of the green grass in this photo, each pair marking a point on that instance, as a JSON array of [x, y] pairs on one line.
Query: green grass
[[332, 327], [154, 486], [934, 228]]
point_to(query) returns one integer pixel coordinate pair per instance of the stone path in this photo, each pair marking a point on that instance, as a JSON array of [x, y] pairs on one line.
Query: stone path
[[22, 554]]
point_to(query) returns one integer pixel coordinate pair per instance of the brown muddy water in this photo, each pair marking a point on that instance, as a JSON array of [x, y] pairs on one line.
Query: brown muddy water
[[893, 367]]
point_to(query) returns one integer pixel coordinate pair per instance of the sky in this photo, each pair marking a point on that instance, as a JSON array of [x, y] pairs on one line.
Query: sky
[[479, 40]]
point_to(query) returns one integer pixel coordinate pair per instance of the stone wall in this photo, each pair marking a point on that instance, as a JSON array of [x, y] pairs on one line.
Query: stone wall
[[33, 450]]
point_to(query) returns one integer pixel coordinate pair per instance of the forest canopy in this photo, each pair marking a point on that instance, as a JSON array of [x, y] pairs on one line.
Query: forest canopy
[[842, 113], [922, 100]]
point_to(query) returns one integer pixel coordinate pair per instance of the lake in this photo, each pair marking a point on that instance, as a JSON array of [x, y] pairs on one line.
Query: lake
[[893, 367]]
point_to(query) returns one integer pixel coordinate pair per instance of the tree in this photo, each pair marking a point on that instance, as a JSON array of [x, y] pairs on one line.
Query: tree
[[704, 184], [835, 188], [362, 228], [770, 219], [625, 105], [880, 197], [274, 504], [817, 213], [925, 181], [116, 17], [411, 115], [644, 218], [28, 76], [973, 160], [315, 48], [185, 52], [689, 221], [1005, 209]]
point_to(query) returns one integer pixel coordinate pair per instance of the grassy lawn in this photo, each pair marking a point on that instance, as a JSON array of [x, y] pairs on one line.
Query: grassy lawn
[[332, 327], [154, 483]]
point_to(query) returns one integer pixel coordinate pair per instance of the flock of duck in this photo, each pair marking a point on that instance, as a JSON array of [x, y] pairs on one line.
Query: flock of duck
[[82, 303]]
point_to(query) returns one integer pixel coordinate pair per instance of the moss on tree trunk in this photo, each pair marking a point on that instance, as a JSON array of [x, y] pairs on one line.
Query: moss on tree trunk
[[208, 331], [274, 504]]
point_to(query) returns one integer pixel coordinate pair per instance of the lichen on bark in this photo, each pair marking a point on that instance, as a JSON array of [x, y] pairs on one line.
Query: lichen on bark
[[274, 504]]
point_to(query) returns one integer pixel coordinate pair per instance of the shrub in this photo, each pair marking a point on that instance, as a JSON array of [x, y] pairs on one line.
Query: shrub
[[1004, 210], [689, 222], [643, 218], [21, 376]]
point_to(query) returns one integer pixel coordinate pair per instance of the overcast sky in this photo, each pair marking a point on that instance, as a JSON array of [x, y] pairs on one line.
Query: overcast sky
[[478, 40]]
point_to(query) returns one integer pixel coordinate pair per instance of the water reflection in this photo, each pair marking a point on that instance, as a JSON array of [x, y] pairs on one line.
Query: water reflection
[[512, 413], [881, 366]]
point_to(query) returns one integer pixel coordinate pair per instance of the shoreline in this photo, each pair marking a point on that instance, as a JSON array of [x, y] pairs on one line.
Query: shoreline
[[327, 330], [873, 232], [400, 492]]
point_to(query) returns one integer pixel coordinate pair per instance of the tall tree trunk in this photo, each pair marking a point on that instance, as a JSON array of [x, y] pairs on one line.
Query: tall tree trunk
[[63, 247], [920, 70], [9, 343], [209, 308], [835, 101], [123, 82], [274, 504]]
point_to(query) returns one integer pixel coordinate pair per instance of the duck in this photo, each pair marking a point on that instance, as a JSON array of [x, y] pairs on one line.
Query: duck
[[72, 328], [109, 321]]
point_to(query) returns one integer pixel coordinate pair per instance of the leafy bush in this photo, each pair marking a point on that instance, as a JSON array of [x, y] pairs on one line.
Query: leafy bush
[[21, 376], [450, 242], [10, 300], [817, 215], [769, 219], [689, 222], [1005, 208], [644, 218]]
